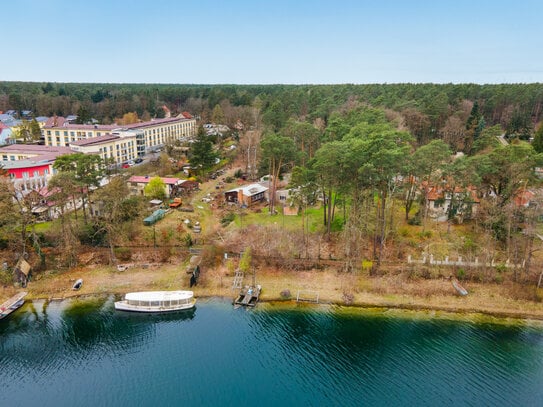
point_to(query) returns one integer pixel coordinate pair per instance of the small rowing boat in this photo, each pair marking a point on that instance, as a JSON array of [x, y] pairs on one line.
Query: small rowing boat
[[77, 285], [461, 290], [12, 304]]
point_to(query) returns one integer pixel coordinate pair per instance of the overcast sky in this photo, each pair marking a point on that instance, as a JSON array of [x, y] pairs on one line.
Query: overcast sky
[[275, 41]]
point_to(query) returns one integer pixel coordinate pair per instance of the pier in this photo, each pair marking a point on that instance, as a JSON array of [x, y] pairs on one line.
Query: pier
[[248, 296]]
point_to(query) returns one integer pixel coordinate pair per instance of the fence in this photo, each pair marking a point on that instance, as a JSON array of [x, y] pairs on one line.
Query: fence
[[460, 262]]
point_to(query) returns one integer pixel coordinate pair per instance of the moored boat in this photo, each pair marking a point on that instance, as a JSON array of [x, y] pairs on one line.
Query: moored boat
[[12, 304], [156, 301], [77, 285], [456, 284]]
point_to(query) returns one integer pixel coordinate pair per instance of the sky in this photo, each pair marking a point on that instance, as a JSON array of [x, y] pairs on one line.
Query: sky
[[272, 42]]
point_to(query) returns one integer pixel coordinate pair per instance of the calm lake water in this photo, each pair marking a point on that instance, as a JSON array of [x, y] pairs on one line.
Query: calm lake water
[[84, 353]]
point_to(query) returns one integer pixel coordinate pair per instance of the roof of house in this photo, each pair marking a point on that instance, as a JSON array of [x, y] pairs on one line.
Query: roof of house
[[153, 122], [106, 138], [59, 121], [145, 180], [250, 190], [39, 154], [7, 119], [523, 197], [438, 192]]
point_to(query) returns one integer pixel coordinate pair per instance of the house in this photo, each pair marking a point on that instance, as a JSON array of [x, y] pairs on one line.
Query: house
[[523, 198], [173, 186], [247, 195], [457, 202], [5, 133]]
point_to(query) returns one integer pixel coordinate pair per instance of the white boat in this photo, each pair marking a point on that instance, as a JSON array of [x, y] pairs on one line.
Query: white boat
[[156, 301], [77, 285]]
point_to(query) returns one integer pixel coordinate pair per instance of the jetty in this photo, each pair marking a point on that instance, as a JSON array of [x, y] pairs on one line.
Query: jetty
[[248, 296]]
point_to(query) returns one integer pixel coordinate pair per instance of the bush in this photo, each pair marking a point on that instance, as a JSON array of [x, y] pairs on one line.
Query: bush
[[501, 268], [427, 234], [227, 219], [187, 240], [91, 235], [123, 253], [285, 294], [460, 274]]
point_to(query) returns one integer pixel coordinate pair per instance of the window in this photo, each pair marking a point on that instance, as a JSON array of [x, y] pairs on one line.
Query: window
[[25, 175], [36, 174], [46, 171]]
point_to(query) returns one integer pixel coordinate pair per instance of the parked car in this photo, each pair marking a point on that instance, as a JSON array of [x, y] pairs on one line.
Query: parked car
[[138, 160]]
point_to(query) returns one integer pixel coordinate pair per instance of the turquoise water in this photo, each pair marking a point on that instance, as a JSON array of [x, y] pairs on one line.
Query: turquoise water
[[87, 354]]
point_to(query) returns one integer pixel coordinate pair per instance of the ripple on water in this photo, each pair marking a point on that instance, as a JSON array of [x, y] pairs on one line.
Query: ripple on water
[[215, 355]]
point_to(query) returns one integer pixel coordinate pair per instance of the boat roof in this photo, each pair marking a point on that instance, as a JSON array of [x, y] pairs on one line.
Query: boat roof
[[159, 295]]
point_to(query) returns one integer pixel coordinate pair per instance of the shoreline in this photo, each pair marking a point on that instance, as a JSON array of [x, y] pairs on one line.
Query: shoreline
[[354, 291]]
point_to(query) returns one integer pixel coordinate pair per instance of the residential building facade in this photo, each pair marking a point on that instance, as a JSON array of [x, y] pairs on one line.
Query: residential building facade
[[151, 134], [30, 166], [112, 148]]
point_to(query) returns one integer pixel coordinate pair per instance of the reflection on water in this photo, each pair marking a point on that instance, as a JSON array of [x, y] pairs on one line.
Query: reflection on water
[[86, 352]]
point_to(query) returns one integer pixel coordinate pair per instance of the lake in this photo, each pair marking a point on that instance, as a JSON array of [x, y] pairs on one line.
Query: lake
[[84, 353]]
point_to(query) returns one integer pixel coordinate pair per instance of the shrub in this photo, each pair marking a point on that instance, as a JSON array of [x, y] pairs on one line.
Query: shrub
[[123, 253], [187, 240], [285, 294], [501, 268], [427, 234], [92, 235], [460, 274], [227, 219]]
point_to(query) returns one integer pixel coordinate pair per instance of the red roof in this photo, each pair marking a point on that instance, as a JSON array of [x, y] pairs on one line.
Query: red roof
[[523, 197]]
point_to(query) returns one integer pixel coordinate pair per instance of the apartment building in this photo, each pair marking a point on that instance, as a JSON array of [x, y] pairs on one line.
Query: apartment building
[[112, 148], [30, 166], [150, 135]]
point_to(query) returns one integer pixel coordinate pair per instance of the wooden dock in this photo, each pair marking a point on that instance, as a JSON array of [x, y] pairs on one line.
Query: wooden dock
[[248, 296]]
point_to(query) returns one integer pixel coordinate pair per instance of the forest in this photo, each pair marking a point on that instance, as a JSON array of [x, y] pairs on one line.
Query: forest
[[377, 157]]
